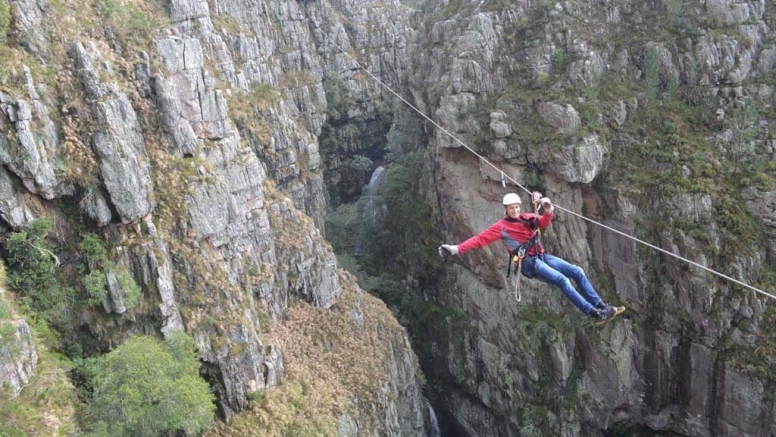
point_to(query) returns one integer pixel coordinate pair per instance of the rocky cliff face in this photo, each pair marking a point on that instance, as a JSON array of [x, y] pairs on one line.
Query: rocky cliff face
[[635, 114], [188, 139], [198, 140]]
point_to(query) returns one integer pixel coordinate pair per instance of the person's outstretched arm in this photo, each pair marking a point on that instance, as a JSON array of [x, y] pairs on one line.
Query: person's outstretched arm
[[488, 236]]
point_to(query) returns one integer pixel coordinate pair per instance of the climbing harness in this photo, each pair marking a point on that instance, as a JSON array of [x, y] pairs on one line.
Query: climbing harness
[[524, 248], [516, 256], [516, 259], [503, 176]]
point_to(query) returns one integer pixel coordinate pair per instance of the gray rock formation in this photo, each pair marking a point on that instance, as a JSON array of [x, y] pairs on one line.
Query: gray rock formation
[[204, 213], [114, 300], [564, 118], [511, 359], [31, 148], [13, 208], [94, 205], [499, 126], [18, 360], [119, 143], [579, 161]]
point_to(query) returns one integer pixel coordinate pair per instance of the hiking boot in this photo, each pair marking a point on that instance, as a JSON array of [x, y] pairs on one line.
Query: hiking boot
[[603, 315], [618, 310]]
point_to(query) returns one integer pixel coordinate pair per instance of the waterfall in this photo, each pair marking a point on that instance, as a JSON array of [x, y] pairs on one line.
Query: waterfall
[[375, 179], [371, 204], [374, 199], [434, 431]]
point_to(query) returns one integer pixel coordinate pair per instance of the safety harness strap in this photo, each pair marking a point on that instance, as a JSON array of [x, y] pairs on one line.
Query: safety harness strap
[[516, 256], [521, 251], [518, 296]]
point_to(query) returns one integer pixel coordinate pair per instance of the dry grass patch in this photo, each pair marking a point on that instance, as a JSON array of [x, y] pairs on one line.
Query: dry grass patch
[[247, 110], [291, 229], [81, 165], [331, 368]]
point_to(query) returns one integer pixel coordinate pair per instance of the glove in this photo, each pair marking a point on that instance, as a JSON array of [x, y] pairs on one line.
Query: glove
[[546, 204], [535, 196], [446, 249]]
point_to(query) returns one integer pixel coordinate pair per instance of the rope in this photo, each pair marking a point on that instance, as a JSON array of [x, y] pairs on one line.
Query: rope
[[505, 176], [700, 266]]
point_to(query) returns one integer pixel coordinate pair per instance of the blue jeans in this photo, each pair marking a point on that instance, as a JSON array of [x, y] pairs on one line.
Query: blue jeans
[[557, 271]]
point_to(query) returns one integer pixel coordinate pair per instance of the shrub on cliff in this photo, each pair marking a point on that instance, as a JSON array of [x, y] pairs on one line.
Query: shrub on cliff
[[93, 274], [146, 388], [32, 267]]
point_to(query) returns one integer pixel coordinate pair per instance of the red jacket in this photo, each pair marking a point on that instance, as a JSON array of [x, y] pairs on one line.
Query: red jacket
[[510, 231]]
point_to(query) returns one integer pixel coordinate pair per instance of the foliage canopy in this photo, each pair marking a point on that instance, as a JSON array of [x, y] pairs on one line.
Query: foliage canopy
[[32, 267], [146, 387]]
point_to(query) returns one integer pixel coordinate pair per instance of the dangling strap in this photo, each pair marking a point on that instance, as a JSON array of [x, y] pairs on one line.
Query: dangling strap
[[518, 275]]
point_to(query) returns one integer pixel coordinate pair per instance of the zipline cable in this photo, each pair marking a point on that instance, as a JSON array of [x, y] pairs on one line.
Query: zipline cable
[[701, 266], [504, 175]]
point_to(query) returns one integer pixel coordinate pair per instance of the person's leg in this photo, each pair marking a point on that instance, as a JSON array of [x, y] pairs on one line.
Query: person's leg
[[548, 274], [577, 274]]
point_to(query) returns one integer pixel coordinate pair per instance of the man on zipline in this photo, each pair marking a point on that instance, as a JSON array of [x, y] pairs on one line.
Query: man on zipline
[[519, 234]]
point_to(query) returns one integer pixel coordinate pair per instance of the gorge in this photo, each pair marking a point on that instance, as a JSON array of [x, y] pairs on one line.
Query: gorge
[[200, 166]]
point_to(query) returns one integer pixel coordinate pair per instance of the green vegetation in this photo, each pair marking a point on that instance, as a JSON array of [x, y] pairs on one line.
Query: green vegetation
[[360, 163], [133, 23], [33, 266], [93, 279], [96, 285], [129, 289], [45, 288], [675, 12], [145, 388], [652, 75], [744, 121], [560, 60], [388, 239], [337, 97], [5, 20], [263, 95], [668, 154], [45, 404], [247, 110], [408, 239], [759, 358], [48, 392], [93, 274], [399, 241], [7, 331]]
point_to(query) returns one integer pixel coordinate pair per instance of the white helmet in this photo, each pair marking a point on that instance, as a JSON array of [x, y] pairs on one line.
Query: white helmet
[[510, 199]]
